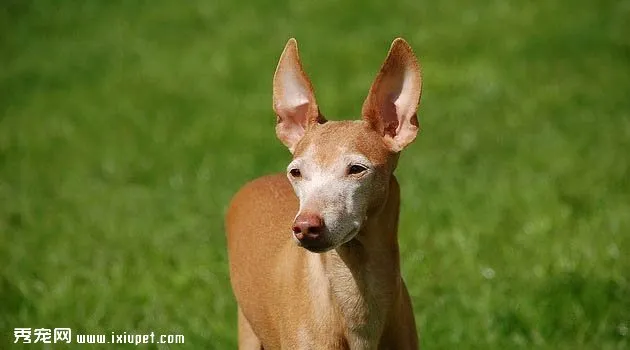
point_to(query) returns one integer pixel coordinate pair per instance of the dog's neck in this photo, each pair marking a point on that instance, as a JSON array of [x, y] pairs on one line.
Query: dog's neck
[[364, 274]]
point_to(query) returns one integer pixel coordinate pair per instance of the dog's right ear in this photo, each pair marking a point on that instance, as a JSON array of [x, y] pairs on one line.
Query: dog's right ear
[[392, 103], [293, 98]]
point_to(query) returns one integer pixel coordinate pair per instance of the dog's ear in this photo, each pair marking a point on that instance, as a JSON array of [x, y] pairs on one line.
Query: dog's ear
[[293, 98], [392, 103]]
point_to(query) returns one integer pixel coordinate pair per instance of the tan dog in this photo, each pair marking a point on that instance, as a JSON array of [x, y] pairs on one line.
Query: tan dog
[[313, 253]]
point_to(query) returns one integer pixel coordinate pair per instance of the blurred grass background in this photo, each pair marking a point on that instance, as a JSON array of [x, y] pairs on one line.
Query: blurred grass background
[[126, 126]]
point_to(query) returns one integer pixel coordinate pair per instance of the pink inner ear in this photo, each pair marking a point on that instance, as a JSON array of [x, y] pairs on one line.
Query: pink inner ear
[[298, 115], [390, 118], [291, 124]]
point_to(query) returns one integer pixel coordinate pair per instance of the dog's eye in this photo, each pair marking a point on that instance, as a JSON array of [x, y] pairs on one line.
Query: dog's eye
[[295, 172], [356, 169]]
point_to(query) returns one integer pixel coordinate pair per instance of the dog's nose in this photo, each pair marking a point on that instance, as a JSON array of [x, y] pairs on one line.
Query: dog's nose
[[307, 226]]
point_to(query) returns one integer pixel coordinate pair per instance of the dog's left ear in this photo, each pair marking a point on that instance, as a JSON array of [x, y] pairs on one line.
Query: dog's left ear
[[293, 98], [392, 103]]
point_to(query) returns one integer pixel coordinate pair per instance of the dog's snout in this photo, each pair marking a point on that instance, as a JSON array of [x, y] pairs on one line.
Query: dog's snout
[[308, 226]]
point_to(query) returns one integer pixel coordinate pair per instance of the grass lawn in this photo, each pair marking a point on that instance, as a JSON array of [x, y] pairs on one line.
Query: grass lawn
[[125, 127]]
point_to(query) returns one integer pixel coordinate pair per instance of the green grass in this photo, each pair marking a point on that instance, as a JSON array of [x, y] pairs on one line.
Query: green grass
[[125, 127]]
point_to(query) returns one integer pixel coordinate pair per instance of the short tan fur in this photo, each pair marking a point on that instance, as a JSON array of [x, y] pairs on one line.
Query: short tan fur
[[313, 252]]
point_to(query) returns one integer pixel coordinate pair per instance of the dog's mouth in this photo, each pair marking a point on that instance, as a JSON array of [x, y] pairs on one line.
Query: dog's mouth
[[350, 236], [324, 245], [317, 249]]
